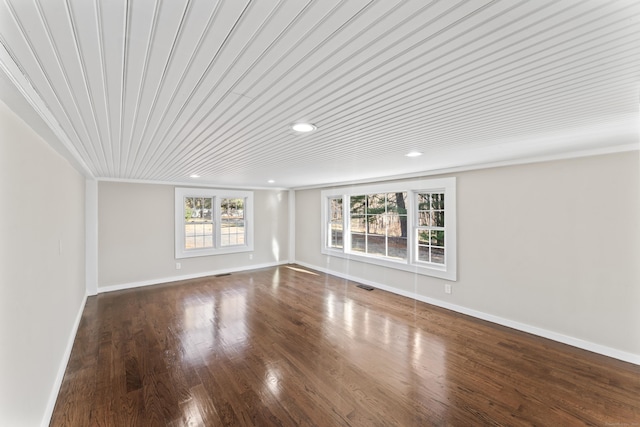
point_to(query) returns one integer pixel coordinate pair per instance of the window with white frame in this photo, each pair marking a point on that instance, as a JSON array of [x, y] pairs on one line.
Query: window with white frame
[[232, 222], [336, 223], [407, 225], [378, 224], [429, 227], [211, 222]]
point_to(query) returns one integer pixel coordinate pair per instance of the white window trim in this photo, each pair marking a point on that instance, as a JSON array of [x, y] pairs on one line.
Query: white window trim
[[447, 271], [217, 195]]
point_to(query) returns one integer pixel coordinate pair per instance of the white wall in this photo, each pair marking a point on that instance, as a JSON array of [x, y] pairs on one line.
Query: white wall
[[136, 236], [42, 271], [552, 247]]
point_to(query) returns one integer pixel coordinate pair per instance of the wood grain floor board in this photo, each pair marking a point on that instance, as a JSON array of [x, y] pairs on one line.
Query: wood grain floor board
[[289, 346]]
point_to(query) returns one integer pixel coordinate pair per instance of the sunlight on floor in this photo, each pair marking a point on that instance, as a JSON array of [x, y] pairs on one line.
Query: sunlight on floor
[[301, 270]]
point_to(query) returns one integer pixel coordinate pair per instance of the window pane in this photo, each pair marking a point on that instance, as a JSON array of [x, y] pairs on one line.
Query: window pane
[[397, 247], [206, 209], [357, 205], [335, 209], [423, 201], [189, 236], [437, 255], [358, 229], [424, 218], [437, 238], [358, 224], [438, 219], [375, 204], [423, 253], [358, 242], [376, 244], [397, 225], [423, 237], [335, 236], [375, 224], [397, 202], [437, 201]]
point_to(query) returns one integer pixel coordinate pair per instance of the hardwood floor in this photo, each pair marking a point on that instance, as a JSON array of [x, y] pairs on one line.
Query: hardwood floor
[[289, 346]]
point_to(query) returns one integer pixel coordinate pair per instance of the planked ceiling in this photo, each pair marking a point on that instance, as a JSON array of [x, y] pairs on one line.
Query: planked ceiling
[[157, 90]]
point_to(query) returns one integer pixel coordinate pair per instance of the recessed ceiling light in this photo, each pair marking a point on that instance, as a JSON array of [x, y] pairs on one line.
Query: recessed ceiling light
[[194, 175], [413, 154], [303, 127], [271, 181]]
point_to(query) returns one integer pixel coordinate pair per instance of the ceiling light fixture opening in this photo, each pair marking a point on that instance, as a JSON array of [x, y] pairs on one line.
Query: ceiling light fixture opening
[[271, 181], [413, 154], [194, 175], [303, 127]]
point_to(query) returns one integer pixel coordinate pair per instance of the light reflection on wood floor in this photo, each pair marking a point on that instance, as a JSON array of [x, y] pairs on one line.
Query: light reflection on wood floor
[[289, 346]]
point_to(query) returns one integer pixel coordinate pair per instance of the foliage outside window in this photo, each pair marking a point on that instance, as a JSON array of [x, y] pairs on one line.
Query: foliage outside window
[[211, 222], [402, 225]]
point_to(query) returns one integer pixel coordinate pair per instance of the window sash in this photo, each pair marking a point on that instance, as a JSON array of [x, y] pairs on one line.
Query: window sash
[[375, 220], [199, 227], [232, 222]]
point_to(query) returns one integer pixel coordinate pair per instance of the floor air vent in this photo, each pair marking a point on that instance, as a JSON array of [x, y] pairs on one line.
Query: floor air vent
[[222, 275], [366, 287]]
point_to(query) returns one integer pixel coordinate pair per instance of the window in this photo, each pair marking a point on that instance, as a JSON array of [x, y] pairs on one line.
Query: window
[[198, 225], [406, 225], [430, 227], [335, 223], [211, 222], [379, 224], [232, 225]]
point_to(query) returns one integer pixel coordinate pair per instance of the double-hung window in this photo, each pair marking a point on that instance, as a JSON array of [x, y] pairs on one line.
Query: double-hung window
[[407, 225], [335, 224], [211, 222]]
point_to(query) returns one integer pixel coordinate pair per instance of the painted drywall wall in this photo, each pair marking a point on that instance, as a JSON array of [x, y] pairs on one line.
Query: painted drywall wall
[[552, 245], [136, 236], [42, 270]]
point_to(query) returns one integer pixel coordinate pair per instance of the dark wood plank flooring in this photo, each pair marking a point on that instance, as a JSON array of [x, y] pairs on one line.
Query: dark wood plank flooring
[[287, 346]]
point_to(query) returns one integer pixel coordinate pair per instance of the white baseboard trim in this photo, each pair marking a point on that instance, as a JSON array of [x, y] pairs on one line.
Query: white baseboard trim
[[554, 336], [53, 397], [131, 285]]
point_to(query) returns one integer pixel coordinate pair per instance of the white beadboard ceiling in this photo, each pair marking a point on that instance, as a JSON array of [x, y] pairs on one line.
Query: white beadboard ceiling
[[157, 90]]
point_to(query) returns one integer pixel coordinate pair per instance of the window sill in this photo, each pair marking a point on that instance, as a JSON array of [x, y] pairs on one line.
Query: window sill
[[193, 253], [424, 270]]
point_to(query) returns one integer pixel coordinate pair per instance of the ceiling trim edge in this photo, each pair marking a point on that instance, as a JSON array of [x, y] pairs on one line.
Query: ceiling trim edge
[[13, 72]]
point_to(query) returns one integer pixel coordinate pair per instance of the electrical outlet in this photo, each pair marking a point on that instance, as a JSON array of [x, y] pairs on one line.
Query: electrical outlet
[[250, 257], [178, 266], [447, 288]]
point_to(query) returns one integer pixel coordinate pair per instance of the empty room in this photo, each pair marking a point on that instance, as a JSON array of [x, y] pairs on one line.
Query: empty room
[[319, 213]]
